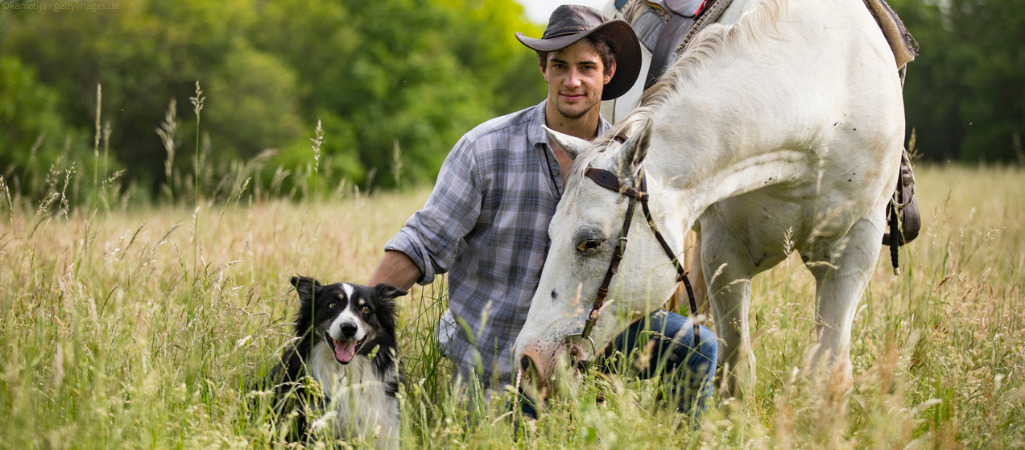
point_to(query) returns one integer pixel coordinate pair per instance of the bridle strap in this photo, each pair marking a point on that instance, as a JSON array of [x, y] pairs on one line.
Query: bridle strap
[[617, 256], [610, 181], [681, 273]]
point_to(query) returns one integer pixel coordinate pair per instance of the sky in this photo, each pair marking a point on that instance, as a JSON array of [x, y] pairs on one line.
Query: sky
[[539, 10]]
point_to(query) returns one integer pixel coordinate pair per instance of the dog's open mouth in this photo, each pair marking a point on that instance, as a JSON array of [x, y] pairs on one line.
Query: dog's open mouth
[[345, 350]]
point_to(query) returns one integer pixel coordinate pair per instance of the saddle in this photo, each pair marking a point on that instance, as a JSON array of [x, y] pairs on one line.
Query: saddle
[[902, 216], [663, 27], [903, 45]]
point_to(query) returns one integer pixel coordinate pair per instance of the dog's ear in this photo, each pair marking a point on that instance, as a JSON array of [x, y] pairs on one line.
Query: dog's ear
[[306, 287], [385, 290], [386, 294]]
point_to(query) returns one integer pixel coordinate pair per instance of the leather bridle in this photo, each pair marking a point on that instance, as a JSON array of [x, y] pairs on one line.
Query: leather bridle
[[636, 193]]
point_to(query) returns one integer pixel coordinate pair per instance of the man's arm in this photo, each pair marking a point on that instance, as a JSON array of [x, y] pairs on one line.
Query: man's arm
[[428, 244], [396, 269]]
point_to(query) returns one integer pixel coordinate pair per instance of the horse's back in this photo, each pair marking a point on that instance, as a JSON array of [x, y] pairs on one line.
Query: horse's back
[[810, 77]]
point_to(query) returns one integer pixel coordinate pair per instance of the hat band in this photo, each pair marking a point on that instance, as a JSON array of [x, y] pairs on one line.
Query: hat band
[[565, 31]]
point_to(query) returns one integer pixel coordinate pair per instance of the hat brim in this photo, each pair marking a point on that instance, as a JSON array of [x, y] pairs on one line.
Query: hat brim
[[624, 44]]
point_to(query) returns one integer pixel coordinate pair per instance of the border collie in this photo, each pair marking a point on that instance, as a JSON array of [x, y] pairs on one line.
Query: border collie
[[345, 341]]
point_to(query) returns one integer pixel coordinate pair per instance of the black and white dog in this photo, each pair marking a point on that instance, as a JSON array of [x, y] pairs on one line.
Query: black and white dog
[[345, 340]]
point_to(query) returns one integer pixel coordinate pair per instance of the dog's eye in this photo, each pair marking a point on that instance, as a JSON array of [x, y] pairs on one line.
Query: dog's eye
[[333, 305], [366, 311]]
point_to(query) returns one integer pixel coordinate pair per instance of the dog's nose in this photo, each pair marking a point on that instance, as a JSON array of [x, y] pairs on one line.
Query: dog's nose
[[348, 330]]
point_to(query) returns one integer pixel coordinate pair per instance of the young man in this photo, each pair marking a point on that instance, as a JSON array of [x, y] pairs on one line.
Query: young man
[[486, 221]]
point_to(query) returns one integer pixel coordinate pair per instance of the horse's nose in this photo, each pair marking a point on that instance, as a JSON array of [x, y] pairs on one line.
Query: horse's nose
[[538, 360], [529, 368], [528, 371]]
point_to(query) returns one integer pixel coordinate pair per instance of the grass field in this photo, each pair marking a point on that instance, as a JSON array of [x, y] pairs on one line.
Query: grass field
[[147, 328]]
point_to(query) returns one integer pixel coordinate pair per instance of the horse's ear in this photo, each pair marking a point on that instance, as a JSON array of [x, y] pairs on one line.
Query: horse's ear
[[571, 145], [635, 149]]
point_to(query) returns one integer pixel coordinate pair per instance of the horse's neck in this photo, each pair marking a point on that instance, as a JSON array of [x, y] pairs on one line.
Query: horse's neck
[[701, 175], [733, 127], [784, 105]]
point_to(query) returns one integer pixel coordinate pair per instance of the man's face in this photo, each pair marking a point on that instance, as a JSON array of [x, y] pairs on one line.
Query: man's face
[[576, 79]]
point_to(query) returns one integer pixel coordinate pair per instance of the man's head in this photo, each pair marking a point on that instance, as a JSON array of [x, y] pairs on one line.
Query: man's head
[[577, 76], [574, 30]]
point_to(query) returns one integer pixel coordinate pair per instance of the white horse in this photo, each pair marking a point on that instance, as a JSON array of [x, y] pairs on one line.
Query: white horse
[[780, 128]]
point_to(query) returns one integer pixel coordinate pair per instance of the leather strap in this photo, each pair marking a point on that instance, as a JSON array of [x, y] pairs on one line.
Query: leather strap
[[610, 181]]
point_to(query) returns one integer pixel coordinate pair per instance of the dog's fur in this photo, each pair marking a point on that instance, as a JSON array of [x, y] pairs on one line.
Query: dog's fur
[[345, 341]]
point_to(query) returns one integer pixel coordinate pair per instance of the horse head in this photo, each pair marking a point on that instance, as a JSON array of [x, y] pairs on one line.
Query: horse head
[[585, 233]]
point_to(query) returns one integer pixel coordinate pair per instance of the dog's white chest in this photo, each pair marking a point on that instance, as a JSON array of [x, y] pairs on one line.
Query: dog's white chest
[[358, 395]]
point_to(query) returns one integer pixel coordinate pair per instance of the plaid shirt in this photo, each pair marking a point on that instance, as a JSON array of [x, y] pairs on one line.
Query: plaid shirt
[[486, 224]]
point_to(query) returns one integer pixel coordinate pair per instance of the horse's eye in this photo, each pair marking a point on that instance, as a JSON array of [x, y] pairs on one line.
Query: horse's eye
[[589, 247]]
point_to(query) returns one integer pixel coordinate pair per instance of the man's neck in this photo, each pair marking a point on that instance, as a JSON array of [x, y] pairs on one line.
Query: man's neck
[[584, 127]]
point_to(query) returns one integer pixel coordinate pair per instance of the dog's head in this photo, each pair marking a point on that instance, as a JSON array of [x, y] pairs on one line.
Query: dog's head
[[352, 318]]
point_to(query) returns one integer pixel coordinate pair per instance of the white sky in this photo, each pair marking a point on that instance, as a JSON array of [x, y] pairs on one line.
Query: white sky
[[539, 10]]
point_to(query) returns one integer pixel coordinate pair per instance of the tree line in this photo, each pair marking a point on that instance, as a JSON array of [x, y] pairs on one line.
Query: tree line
[[391, 83], [965, 93]]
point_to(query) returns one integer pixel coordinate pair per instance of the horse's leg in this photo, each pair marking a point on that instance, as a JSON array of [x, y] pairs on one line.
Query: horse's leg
[[728, 274], [842, 270]]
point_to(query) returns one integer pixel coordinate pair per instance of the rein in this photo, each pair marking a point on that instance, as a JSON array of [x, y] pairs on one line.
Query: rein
[[610, 181]]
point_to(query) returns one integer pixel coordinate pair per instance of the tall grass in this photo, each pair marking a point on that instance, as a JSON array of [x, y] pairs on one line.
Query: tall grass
[[106, 343], [122, 327]]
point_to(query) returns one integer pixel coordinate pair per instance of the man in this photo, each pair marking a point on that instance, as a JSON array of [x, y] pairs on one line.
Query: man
[[486, 221]]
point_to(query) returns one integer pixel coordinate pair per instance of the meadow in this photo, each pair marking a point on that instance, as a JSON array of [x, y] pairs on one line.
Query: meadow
[[149, 327]]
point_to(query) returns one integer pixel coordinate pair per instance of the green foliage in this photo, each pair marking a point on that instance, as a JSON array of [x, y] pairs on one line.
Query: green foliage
[[965, 94], [394, 83], [379, 75], [401, 72], [252, 104], [30, 144]]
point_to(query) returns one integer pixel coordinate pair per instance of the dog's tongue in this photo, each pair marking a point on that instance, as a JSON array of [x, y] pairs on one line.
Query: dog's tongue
[[345, 350]]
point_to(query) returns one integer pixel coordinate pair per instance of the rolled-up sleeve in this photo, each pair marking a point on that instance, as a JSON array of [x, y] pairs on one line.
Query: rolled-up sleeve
[[433, 236]]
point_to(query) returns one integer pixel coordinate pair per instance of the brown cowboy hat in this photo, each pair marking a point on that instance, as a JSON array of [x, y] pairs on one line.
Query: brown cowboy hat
[[571, 23]]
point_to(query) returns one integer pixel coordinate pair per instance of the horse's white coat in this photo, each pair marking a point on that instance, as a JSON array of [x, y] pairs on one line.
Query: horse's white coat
[[780, 129]]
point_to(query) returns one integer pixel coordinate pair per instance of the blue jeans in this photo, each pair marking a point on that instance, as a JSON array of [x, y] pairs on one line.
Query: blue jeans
[[686, 372]]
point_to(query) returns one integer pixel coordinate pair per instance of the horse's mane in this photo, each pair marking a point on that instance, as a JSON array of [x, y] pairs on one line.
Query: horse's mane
[[713, 41], [709, 43]]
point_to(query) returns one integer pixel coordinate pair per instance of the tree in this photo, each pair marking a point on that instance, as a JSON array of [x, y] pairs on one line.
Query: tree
[[29, 143], [965, 93], [411, 75]]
